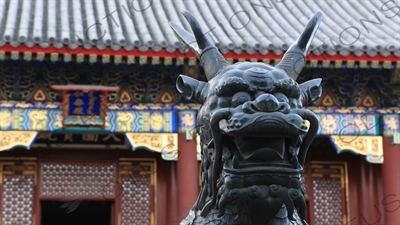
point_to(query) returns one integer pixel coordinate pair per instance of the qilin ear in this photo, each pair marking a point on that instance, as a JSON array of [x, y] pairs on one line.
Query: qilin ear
[[310, 91], [192, 89]]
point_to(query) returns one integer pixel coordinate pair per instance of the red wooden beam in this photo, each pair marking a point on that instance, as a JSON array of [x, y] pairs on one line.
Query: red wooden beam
[[177, 54]]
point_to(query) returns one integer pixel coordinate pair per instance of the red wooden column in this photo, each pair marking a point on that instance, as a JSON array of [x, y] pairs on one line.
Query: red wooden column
[[391, 181], [187, 175]]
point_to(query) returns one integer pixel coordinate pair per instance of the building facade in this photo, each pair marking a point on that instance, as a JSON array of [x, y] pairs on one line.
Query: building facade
[[93, 131]]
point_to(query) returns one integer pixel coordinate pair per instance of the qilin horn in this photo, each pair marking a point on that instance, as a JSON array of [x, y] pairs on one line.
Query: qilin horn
[[295, 57], [212, 60]]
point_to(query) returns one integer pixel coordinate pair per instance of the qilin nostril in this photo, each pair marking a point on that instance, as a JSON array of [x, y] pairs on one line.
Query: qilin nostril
[[266, 103]]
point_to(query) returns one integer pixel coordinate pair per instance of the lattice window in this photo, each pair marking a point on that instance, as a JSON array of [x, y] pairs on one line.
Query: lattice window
[[327, 201], [135, 200], [329, 185], [78, 179], [17, 201]]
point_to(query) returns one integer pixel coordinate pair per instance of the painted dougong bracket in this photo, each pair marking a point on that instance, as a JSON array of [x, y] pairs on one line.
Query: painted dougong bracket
[[370, 146]]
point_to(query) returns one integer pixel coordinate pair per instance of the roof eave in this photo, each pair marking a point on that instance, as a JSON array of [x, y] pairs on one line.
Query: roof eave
[[230, 56]]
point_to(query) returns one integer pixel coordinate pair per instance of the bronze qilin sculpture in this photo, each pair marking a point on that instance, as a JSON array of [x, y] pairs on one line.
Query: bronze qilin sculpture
[[253, 134]]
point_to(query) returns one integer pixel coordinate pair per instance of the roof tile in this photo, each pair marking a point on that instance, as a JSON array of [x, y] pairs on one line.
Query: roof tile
[[257, 26]]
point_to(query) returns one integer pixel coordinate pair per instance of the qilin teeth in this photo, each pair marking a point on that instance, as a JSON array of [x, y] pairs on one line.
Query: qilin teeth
[[254, 165]]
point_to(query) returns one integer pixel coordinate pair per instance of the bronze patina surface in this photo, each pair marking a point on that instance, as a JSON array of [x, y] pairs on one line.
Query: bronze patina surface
[[253, 134]]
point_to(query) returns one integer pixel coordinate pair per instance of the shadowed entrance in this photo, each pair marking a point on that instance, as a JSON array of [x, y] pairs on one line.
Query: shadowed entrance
[[76, 212]]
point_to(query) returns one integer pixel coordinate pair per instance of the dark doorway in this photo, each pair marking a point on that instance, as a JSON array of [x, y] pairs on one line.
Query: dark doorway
[[76, 212]]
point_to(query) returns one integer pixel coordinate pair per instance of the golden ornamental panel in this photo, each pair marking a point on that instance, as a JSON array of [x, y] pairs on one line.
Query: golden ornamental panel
[[38, 119], [12, 139], [125, 121], [370, 146], [390, 124], [166, 144], [156, 121], [5, 119]]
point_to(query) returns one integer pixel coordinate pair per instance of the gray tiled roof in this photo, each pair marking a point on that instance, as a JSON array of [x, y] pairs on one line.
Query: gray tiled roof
[[236, 25]]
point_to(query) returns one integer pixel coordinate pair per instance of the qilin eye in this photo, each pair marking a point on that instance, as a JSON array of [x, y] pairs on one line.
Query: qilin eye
[[240, 98]]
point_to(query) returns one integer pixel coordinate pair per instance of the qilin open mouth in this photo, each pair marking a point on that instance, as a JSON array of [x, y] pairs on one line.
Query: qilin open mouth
[[262, 141], [285, 128]]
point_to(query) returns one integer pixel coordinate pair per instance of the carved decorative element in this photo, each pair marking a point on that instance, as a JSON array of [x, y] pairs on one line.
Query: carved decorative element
[[156, 121], [253, 134], [330, 192], [124, 96], [191, 106], [304, 180], [138, 180], [328, 100], [166, 144], [334, 121], [370, 146], [38, 119], [17, 181], [135, 79], [5, 119], [135, 200], [125, 121], [327, 201], [17, 202], [84, 105], [77, 180], [348, 124], [166, 97], [395, 77], [390, 124], [12, 139], [368, 101], [116, 120], [187, 121], [39, 95]]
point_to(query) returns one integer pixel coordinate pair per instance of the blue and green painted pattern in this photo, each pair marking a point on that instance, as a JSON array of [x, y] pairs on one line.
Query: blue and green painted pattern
[[172, 121], [50, 120], [348, 124], [390, 124]]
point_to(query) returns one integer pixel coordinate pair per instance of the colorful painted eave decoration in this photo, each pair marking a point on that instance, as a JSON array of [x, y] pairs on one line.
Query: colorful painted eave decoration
[[349, 124], [84, 105], [162, 118], [166, 144], [108, 55], [120, 121], [13, 139], [370, 146]]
